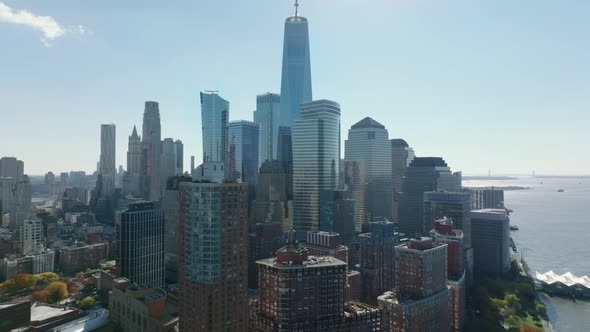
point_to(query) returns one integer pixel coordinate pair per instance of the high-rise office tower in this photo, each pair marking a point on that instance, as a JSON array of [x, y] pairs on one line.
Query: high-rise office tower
[[285, 145], [300, 292], [213, 269], [424, 174], [486, 198], [455, 206], [377, 260], [140, 237], [152, 147], [214, 118], [444, 232], [316, 158], [49, 178], [272, 203], [368, 145], [107, 158], [266, 239], [242, 163], [11, 167], [133, 180], [179, 148], [401, 157], [171, 154], [267, 116], [490, 235], [171, 207], [337, 213], [296, 70], [420, 301]]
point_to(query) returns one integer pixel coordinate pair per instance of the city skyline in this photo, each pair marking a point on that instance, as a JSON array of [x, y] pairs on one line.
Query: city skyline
[[504, 70]]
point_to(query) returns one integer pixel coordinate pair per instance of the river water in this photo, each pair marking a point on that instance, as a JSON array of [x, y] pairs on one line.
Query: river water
[[554, 235]]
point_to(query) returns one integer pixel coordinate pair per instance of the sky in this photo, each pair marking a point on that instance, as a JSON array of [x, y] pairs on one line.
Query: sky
[[498, 85]]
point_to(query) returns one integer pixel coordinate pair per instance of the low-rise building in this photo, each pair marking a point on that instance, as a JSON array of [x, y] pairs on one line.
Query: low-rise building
[[138, 309]]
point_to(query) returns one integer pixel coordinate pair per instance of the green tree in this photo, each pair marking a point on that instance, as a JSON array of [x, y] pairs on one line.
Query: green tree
[[87, 303], [511, 299], [56, 291], [499, 303]]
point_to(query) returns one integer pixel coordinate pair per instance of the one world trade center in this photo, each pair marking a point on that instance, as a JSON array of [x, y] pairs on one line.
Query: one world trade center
[[296, 74]]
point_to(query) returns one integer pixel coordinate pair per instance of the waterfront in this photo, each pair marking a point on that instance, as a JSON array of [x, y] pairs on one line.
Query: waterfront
[[553, 235]]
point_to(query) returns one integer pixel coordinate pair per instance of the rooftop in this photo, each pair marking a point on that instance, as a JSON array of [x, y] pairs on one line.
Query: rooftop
[[367, 123], [567, 279], [41, 311], [312, 261], [428, 162], [398, 142]]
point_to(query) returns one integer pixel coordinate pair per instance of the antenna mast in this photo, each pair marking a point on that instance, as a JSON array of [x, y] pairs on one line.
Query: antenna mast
[[296, 8]]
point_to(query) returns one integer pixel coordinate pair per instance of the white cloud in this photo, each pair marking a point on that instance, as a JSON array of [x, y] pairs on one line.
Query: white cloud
[[50, 29]]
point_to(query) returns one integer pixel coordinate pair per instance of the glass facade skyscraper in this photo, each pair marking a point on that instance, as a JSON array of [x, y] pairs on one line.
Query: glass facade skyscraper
[[267, 116], [242, 165], [140, 235], [214, 118], [296, 72], [368, 145], [424, 174], [213, 257], [107, 158], [401, 157], [316, 158]]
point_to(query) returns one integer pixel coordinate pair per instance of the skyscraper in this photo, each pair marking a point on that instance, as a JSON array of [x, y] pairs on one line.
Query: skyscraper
[[264, 242], [316, 158], [133, 180], [456, 206], [368, 144], [377, 260], [242, 164], [296, 71], [10, 167], [171, 207], [445, 233], [107, 158], [424, 174], [272, 203], [300, 292], [140, 236], [267, 116], [401, 157], [490, 231], [171, 154], [214, 118], [152, 146], [213, 269], [337, 213], [420, 301]]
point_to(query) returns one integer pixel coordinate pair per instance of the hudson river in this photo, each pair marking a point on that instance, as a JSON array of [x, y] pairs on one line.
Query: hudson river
[[554, 235]]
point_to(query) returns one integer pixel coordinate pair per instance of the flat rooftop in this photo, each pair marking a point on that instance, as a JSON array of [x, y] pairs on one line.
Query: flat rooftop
[[312, 261], [41, 312]]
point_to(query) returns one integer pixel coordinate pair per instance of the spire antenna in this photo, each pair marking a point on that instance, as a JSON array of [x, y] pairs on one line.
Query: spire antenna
[[296, 8]]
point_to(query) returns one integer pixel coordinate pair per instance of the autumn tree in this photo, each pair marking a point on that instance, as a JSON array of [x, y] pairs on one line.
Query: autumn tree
[[56, 291]]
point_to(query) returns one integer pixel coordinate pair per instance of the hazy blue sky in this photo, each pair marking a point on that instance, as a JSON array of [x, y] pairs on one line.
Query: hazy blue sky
[[501, 85]]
